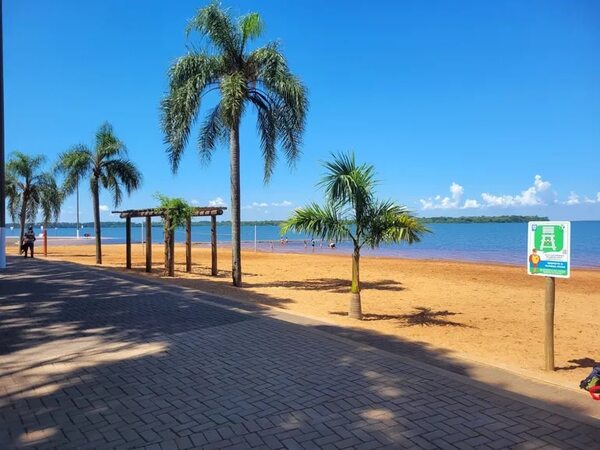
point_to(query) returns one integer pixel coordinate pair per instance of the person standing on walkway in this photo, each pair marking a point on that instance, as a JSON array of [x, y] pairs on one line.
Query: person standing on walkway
[[28, 240]]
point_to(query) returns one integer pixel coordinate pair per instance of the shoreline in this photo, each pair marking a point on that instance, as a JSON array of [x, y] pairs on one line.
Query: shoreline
[[339, 251]]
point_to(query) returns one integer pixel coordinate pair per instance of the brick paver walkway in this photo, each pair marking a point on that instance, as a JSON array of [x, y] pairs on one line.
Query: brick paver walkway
[[92, 360]]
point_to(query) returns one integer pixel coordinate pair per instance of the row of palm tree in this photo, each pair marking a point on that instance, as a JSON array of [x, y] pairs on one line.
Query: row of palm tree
[[31, 190], [261, 78]]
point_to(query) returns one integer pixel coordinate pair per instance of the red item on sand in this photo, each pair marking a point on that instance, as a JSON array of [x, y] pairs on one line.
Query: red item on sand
[[593, 390]]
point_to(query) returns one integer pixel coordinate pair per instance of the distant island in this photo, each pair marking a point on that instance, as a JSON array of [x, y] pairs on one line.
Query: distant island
[[484, 219], [441, 219]]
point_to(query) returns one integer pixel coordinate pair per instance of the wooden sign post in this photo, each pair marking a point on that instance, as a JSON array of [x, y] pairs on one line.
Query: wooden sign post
[[549, 255], [549, 325]]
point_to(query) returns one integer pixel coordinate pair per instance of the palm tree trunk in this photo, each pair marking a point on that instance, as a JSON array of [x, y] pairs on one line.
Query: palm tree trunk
[[97, 232], [22, 217], [355, 311], [236, 254]]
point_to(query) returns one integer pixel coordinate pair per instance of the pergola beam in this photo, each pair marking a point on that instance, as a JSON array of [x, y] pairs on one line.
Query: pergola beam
[[159, 212]]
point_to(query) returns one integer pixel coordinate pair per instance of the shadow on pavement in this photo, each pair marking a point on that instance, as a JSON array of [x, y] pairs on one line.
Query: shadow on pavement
[[98, 359]]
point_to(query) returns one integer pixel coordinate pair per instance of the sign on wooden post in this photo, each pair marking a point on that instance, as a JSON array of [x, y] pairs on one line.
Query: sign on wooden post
[[549, 255]]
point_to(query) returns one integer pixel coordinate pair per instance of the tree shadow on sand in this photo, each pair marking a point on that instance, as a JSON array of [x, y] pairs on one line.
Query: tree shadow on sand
[[337, 285], [580, 363], [423, 317]]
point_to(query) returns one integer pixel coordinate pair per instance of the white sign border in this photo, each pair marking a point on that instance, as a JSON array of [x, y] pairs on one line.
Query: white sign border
[[566, 242]]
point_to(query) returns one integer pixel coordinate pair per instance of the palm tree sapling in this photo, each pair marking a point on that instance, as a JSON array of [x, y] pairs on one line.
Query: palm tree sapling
[[352, 212]]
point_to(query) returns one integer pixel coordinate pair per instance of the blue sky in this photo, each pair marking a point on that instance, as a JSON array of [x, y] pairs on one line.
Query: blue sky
[[464, 108]]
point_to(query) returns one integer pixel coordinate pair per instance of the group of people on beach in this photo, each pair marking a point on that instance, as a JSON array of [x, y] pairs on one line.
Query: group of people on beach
[[285, 241]]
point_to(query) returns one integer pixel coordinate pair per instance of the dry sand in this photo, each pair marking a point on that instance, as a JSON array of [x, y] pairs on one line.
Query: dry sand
[[482, 312]]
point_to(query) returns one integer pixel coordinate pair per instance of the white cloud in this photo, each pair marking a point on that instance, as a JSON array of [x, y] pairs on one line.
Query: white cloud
[[470, 203], [216, 202], [573, 199], [586, 199], [538, 194], [265, 204], [283, 203], [104, 208], [452, 202], [457, 191], [194, 202]]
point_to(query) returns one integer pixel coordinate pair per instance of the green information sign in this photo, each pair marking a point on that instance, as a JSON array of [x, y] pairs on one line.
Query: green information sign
[[549, 249]]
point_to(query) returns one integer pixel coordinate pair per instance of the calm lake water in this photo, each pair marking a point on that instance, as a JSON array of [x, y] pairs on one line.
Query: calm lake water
[[486, 242]]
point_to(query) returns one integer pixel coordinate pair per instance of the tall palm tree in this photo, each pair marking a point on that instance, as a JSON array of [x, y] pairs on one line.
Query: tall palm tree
[[107, 166], [30, 190], [352, 212], [260, 78]]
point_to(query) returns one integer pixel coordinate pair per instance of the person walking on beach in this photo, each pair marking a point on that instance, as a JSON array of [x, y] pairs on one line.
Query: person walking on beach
[[28, 240]]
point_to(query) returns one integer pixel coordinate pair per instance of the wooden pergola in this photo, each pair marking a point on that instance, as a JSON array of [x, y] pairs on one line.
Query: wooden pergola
[[148, 213]]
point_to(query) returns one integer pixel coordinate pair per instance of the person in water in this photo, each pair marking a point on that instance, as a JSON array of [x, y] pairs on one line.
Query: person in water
[[28, 240]]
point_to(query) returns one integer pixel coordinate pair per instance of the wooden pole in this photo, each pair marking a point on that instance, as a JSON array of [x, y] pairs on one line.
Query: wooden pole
[[171, 252], [128, 242], [213, 245], [188, 245], [549, 323], [148, 244], [166, 238]]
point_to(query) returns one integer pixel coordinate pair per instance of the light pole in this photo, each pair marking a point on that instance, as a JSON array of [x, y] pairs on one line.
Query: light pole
[[2, 166]]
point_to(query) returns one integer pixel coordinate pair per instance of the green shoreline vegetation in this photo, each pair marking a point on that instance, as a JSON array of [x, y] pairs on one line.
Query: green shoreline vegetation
[[441, 219]]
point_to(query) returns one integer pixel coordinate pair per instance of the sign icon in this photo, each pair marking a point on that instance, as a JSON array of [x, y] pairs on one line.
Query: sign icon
[[548, 247]]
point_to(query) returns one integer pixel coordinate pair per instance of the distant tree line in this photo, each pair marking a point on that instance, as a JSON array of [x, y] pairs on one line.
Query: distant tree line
[[484, 219], [464, 219]]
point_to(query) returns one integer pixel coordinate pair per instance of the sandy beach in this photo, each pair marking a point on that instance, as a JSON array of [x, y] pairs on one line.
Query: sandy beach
[[482, 312]]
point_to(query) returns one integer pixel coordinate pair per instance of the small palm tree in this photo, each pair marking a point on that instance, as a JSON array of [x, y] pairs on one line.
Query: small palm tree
[[107, 166], [260, 78], [353, 213], [29, 191]]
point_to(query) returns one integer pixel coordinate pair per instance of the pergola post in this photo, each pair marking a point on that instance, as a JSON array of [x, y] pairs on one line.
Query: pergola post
[[166, 239], [128, 242], [148, 244], [171, 251], [188, 245], [213, 245]]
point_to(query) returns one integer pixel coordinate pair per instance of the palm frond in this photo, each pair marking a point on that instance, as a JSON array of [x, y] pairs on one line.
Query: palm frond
[[266, 126], [107, 144], [74, 164], [234, 92], [24, 166], [50, 198], [217, 25], [118, 174], [189, 77], [324, 222], [13, 191], [347, 182], [213, 131], [251, 27], [386, 221]]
